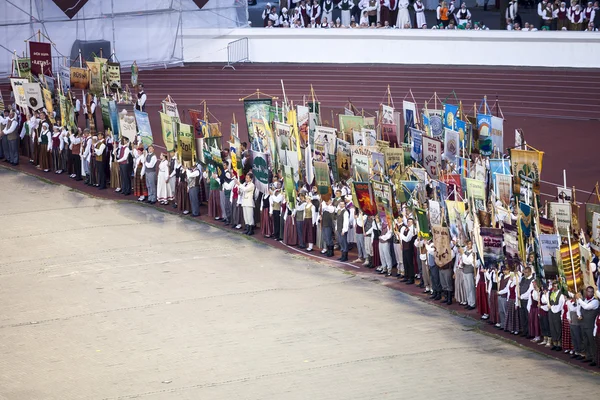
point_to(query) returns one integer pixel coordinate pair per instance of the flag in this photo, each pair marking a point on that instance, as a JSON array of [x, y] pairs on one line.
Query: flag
[[166, 123], [33, 93], [95, 71], [289, 186], [497, 134], [441, 240], [484, 126], [450, 116], [526, 169], [364, 197], [423, 222], [41, 58], [80, 78]]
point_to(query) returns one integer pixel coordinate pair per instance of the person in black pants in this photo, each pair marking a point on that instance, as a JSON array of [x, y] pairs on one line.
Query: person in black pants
[[100, 160], [123, 154], [408, 234]]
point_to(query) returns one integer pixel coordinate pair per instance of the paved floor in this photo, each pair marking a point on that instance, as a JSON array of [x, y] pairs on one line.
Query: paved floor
[[107, 300]]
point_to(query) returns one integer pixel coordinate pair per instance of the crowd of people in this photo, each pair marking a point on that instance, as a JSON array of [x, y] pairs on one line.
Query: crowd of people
[[402, 14], [515, 296]]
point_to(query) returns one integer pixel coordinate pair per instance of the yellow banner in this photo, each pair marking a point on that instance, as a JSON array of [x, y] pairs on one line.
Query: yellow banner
[[48, 102], [526, 168], [185, 142], [292, 120]]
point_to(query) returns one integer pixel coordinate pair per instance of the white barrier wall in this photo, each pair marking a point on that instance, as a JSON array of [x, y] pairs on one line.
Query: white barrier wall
[[414, 46]]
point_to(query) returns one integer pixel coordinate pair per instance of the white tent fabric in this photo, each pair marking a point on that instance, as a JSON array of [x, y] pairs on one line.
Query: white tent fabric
[[148, 32]]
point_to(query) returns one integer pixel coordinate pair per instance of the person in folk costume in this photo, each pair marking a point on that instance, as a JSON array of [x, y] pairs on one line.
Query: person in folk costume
[[328, 10], [140, 105], [384, 11], [403, 15], [298, 215], [57, 145], [352, 225], [370, 7], [108, 153], [139, 182], [541, 9], [173, 163], [434, 271], [75, 145], [374, 233], [342, 224], [595, 18], [275, 201], [247, 193], [228, 185], [101, 159], [182, 198], [420, 14], [408, 235], [34, 131], [4, 151], [547, 16], [214, 196], [305, 12], [163, 189], [25, 136], [360, 220], [290, 236], [315, 11], [525, 289], [45, 143], [284, 4], [463, 15], [491, 278], [512, 13], [284, 17], [115, 174], [123, 161], [86, 149], [327, 226], [543, 310], [397, 245], [297, 19], [562, 17], [482, 292], [265, 15], [577, 17], [556, 301], [346, 7], [385, 249], [237, 217], [149, 172], [274, 17], [533, 305], [266, 217], [10, 136], [566, 343], [589, 313], [502, 295], [574, 317], [421, 251], [190, 202], [511, 324], [310, 222], [467, 264]]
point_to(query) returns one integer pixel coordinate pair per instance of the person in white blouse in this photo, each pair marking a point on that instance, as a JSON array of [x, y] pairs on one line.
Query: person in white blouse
[[57, 146], [86, 148], [246, 191], [589, 311], [123, 154], [342, 224], [11, 135], [385, 249], [34, 123], [75, 147], [467, 263], [574, 317], [408, 235], [359, 221], [556, 301], [163, 189], [141, 101]]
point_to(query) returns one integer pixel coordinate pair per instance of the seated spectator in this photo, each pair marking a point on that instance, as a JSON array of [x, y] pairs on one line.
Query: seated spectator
[[451, 25], [285, 24], [463, 15], [364, 18], [284, 17], [269, 24], [386, 25], [324, 23], [298, 24], [338, 23], [591, 28], [313, 23], [297, 16], [273, 17], [516, 27]]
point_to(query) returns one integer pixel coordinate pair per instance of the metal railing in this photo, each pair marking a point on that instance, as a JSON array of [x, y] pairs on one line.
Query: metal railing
[[237, 52]]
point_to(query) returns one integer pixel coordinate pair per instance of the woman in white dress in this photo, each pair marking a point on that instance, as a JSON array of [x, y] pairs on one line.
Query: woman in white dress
[[403, 15], [163, 191]]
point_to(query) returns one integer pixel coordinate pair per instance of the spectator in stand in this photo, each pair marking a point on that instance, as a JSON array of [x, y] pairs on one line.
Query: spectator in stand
[[305, 12], [451, 25], [562, 20], [370, 7], [403, 15], [516, 27], [596, 15], [442, 14], [297, 18], [284, 17], [576, 18], [269, 24], [591, 28], [420, 14], [273, 17], [338, 24], [313, 23], [588, 13], [547, 15], [265, 14], [346, 7], [364, 19], [512, 14], [316, 11], [393, 12], [463, 15], [328, 10], [325, 23]]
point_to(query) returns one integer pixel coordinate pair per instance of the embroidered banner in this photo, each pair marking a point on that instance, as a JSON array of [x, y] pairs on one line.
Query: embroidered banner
[[127, 126], [443, 250], [526, 169], [365, 199], [185, 142], [166, 123], [41, 58], [432, 156], [343, 159], [451, 145]]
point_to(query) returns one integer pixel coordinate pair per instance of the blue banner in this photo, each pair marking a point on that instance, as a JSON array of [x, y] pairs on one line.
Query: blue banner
[[450, 116], [114, 119], [416, 150], [461, 128], [525, 219], [144, 129]]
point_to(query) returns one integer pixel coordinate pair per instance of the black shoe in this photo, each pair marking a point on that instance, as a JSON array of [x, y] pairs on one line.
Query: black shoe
[[438, 296], [593, 364], [404, 280], [449, 301], [410, 282], [579, 358], [344, 256], [251, 230]]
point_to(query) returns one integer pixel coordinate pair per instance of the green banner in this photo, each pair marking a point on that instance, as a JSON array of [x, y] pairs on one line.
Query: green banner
[[290, 187]]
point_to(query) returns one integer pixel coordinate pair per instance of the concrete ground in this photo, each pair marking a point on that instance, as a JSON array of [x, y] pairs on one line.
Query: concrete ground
[[109, 300]]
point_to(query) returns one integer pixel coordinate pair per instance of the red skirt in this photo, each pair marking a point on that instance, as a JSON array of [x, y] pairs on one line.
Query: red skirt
[[310, 231], [139, 185], [494, 314], [566, 335], [214, 204], [481, 298], [534, 322], [290, 237], [266, 223], [376, 257]]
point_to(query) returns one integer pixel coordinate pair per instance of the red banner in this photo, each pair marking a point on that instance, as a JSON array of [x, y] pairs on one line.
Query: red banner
[[70, 7], [454, 185], [41, 58], [364, 196]]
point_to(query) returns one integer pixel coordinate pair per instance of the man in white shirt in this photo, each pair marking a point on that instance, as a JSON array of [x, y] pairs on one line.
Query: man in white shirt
[[468, 266], [4, 152], [77, 108], [124, 166], [141, 102], [11, 134], [342, 220], [150, 172], [589, 307], [408, 235]]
